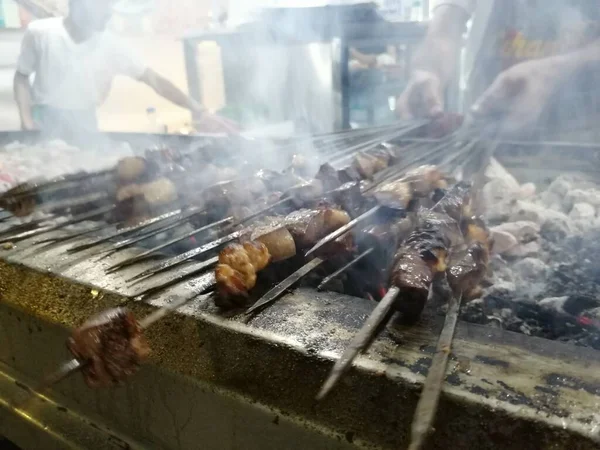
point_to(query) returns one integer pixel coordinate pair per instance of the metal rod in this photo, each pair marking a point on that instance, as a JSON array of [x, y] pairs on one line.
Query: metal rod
[[74, 220], [278, 290], [364, 146], [182, 276], [341, 270], [430, 395], [68, 237], [176, 260], [343, 230], [130, 261], [139, 226], [359, 342]]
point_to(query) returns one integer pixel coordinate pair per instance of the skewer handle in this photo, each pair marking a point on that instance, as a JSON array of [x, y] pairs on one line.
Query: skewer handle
[[430, 396]]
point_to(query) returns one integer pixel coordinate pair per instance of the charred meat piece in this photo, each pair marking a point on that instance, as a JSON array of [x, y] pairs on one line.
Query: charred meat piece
[[329, 177], [222, 196], [455, 201], [467, 270], [368, 165], [350, 198], [305, 192], [137, 202], [469, 266], [21, 200], [394, 194], [111, 346], [307, 226], [423, 255], [415, 184]]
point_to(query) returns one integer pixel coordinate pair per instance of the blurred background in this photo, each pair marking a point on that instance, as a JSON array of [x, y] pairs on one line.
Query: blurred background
[[155, 29]]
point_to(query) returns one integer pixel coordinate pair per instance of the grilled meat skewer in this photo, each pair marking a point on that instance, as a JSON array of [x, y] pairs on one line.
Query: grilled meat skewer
[[423, 256], [466, 271], [238, 263]]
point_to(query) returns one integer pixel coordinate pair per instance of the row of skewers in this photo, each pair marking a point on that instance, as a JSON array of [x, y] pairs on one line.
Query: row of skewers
[[408, 226]]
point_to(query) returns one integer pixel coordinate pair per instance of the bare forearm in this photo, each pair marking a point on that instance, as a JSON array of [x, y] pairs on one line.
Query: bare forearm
[[168, 90], [585, 59], [440, 51], [22, 92]]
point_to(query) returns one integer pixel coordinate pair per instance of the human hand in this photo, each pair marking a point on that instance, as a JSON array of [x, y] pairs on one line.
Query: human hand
[[423, 97], [516, 100], [28, 125], [212, 123]]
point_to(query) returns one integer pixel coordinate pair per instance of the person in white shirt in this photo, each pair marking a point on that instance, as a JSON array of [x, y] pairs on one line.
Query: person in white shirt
[[73, 61], [530, 64]]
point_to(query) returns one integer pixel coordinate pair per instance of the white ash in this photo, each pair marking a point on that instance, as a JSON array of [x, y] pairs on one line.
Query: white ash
[[23, 162], [540, 284]]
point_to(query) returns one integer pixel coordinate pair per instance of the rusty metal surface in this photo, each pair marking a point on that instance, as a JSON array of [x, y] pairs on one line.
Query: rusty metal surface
[[503, 390]]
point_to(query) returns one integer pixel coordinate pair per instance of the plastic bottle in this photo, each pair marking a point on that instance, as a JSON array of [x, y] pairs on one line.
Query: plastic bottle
[[416, 14]]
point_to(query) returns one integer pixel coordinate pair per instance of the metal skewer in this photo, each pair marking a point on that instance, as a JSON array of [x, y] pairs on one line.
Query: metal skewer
[[68, 237], [360, 341], [341, 270], [343, 230], [139, 226], [430, 395], [72, 221], [278, 290], [73, 365], [176, 260], [130, 261], [201, 268]]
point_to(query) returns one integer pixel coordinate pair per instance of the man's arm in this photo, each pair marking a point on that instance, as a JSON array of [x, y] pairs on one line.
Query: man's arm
[[22, 92], [585, 59], [436, 60], [168, 90], [26, 65], [439, 51]]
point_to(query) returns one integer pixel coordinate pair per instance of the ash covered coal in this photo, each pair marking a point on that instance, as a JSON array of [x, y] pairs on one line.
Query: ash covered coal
[[546, 271], [21, 162]]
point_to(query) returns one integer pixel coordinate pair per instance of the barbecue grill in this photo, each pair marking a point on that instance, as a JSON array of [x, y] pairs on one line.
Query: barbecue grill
[[217, 381]]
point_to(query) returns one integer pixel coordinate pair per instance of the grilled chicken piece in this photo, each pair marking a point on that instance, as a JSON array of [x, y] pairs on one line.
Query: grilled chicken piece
[[111, 346], [131, 169], [238, 265]]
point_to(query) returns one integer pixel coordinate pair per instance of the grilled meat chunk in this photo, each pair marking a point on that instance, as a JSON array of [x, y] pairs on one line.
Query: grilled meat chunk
[[423, 255], [278, 240], [131, 169], [111, 346], [415, 184], [238, 265], [307, 226], [467, 270], [368, 165]]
